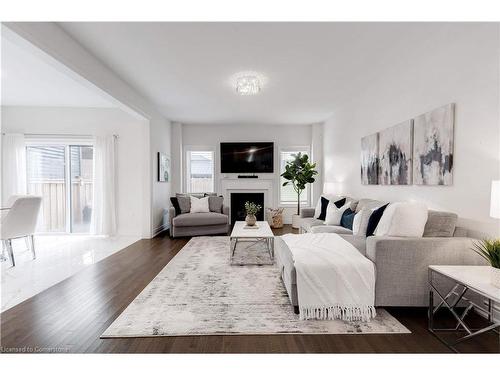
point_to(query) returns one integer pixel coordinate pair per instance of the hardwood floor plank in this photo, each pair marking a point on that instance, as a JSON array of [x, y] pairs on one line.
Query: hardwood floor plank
[[74, 313]]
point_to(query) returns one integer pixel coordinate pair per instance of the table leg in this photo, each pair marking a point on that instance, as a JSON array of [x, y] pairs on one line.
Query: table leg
[[272, 248], [431, 302]]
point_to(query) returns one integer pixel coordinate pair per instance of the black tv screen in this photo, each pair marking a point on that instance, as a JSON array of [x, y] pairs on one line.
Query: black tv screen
[[247, 157]]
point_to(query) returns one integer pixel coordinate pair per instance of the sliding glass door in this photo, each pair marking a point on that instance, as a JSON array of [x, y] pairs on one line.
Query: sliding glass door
[[81, 176], [62, 174]]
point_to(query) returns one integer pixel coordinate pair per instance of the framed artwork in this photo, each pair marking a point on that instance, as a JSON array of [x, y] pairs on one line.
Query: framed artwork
[[369, 159], [163, 167], [433, 147], [395, 154]]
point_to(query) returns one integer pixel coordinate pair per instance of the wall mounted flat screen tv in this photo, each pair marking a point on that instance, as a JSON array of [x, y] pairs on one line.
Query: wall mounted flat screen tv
[[247, 157]]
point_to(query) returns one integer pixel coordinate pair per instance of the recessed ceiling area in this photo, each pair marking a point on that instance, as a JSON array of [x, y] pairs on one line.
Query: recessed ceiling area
[[186, 69], [29, 80]]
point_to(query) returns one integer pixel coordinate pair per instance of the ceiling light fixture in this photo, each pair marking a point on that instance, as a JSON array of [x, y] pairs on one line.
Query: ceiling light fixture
[[248, 85]]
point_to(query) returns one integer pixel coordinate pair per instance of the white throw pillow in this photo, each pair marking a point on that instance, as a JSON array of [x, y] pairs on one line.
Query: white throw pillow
[[360, 223], [199, 205], [334, 214], [330, 197], [403, 219]]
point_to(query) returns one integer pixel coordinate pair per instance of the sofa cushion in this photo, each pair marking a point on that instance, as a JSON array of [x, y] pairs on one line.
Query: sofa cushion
[[199, 205], [175, 204], [440, 224], [374, 219], [184, 201], [330, 229], [359, 242], [199, 219], [403, 219], [347, 219], [360, 222], [215, 203], [368, 203], [309, 222], [317, 210], [334, 212]]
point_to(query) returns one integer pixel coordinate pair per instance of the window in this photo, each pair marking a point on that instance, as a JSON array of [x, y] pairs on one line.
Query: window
[[288, 196], [62, 174], [199, 171]]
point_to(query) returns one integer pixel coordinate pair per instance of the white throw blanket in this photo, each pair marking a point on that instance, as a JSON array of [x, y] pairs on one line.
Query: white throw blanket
[[334, 280]]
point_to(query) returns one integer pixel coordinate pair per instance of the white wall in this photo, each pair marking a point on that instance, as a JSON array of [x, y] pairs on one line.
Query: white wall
[[211, 135], [56, 45], [96, 121], [453, 64]]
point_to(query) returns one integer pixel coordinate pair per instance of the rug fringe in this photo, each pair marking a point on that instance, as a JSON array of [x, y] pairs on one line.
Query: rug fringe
[[347, 313]]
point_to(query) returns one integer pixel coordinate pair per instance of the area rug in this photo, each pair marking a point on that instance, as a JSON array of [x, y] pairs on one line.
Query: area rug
[[200, 293]]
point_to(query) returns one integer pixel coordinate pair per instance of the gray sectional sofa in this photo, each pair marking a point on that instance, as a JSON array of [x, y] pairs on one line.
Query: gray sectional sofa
[[401, 263]]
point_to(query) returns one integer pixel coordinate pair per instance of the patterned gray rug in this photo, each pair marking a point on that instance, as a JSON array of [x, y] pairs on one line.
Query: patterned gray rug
[[199, 293]]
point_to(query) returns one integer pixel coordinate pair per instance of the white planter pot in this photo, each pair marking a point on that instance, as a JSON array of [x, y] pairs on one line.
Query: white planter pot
[[296, 221], [495, 276]]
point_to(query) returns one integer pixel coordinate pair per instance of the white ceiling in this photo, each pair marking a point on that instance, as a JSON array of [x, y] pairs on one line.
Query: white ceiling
[[29, 80], [186, 68]]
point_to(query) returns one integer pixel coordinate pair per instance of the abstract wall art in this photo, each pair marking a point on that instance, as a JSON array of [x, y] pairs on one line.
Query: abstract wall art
[[163, 167], [369, 159], [395, 154], [433, 147]]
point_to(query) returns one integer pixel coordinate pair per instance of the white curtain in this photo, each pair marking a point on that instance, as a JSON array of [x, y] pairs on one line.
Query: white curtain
[[13, 166], [104, 209]]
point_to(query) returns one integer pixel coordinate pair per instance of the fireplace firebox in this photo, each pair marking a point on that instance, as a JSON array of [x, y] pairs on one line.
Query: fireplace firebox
[[238, 205]]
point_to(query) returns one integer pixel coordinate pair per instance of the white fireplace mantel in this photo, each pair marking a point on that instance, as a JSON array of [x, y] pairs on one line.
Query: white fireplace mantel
[[248, 185]]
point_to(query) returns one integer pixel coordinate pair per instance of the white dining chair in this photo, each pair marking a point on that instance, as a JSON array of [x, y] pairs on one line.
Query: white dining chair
[[20, 221]]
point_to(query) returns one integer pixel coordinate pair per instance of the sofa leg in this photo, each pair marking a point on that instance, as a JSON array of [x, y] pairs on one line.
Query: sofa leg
[[296, 310]]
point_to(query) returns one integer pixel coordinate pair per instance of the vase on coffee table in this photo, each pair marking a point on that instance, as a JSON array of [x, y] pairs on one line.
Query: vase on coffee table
[[251, 209], [250, 220]]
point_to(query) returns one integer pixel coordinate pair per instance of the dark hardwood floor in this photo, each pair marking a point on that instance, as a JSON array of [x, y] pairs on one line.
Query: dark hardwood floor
[[71, 316]]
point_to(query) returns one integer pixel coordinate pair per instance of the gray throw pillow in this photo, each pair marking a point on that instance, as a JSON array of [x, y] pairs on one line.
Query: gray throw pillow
[[215, 203], [184, 202]]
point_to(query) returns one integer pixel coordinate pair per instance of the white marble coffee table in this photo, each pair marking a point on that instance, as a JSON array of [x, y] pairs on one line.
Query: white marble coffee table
[[241, 234]]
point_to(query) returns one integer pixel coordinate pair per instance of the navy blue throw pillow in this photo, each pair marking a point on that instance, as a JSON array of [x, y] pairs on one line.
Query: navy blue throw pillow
[[374, 219], [347, 219], [324, 205], [340, 203]]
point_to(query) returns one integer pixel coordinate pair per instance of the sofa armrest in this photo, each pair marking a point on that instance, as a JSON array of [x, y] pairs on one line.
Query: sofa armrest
[[171, 215], [401, 265], [225, 210], [307, 212], [428, 250]]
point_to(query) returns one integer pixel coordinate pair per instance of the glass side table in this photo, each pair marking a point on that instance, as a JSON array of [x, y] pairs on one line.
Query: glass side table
[[473, 279]]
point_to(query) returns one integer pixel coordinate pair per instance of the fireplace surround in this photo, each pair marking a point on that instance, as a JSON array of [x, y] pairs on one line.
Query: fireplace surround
[[237, 204]]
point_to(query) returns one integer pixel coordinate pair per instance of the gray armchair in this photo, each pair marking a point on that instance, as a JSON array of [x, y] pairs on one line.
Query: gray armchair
[[199, 224]]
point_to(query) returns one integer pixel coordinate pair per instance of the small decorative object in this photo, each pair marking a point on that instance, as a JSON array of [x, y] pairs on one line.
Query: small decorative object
[[275, 217], [251, 208], [395, 154], [369, 159], [299, 172], [490, 250], [433, 147], [163, 167]]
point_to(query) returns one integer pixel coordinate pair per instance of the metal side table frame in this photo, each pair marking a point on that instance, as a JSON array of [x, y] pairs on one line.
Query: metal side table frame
[[458, 293]]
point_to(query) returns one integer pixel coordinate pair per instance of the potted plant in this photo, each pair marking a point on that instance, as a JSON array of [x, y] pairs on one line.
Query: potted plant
[[490, 250], [251, 208], [299, 172]]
